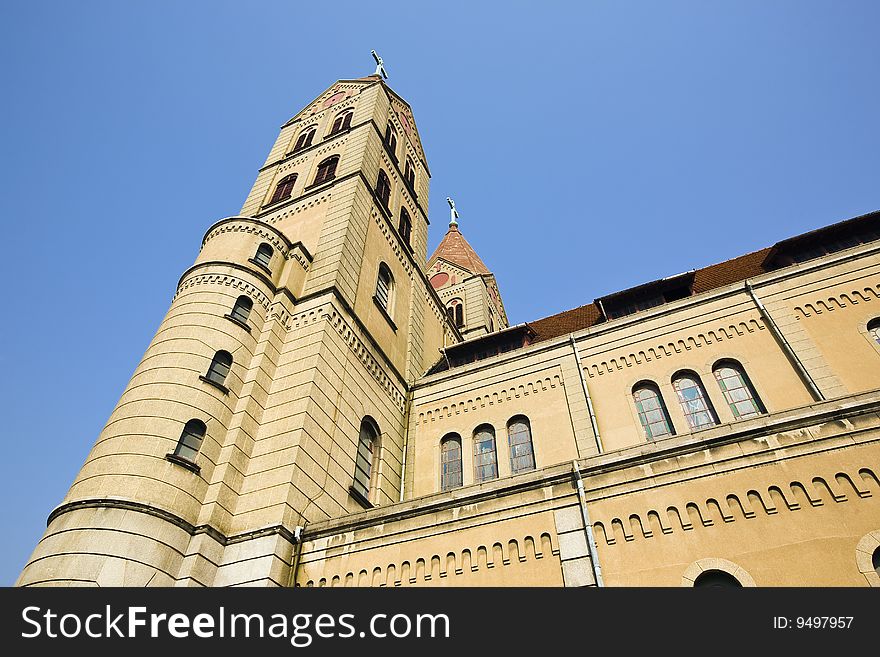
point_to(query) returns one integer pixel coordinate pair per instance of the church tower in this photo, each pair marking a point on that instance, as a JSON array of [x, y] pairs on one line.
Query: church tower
[[276, 390], [466, 286]]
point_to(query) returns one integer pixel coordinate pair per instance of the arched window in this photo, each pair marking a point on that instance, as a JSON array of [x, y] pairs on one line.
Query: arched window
[[694, 402], [717, 579], [450, 462], [305, 139], [364, 466], [391, 140], [652, 411], [219, 369], [875, 560], [485, 458], [384, 287], [326, 170], [874, 329], [519, 439], [263, 256], [409, 173], [738, 390], [190, 440], [405, 225], [283, 189], [383, 188], [342, 121], [242, 309], [455, 310]]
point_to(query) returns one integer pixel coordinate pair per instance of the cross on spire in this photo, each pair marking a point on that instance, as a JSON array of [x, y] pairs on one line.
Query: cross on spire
[[453, 213], [380, 65]]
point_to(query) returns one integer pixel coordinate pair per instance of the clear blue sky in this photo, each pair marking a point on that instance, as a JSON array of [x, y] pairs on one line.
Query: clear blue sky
[[590, 146]]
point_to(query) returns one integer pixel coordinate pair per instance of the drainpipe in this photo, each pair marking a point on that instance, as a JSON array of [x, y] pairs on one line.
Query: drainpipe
[[297, 551], [595, 425], [588, 526], [405, 443], [786, 347]]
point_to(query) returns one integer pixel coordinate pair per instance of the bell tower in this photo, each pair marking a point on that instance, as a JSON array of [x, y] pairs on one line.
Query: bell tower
[[275, 392], [466, 286]]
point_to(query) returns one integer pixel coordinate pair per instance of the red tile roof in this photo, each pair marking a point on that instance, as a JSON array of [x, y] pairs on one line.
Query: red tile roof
[[454, 248], [708, 278]]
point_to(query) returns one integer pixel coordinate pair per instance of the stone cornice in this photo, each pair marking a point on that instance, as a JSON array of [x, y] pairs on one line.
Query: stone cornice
[[174, 519]]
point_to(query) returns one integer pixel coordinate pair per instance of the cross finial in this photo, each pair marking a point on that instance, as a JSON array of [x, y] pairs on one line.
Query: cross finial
[[453, 213], [380, 65]]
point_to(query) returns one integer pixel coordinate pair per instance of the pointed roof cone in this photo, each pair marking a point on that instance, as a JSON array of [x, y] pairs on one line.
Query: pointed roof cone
[[454, 248]]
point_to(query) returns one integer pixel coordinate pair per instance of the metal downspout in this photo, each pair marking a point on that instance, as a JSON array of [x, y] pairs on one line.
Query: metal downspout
[[588, 526], [786, 347], [593, 422]]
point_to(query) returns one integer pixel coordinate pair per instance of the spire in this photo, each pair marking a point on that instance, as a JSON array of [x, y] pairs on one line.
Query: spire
[[454, 248]]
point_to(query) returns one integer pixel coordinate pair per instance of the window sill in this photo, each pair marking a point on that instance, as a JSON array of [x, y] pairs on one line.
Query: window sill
[[318, 184], [232, 319], [260, 265], [363, 501], [182, 462], [384, 313], [272, 204], [222, 388]]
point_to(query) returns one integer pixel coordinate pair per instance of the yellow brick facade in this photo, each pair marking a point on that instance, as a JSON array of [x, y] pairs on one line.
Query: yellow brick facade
[[787, 497]]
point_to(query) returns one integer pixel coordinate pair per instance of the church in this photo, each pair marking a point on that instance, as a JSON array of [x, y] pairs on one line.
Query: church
[[326, 405]]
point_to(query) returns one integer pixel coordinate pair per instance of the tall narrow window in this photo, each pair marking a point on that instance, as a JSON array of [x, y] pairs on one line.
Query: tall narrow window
[[405, 226], [409, 173], [519, 438], [737, 389], [485, 458], [305, 139], [190, 440], [283, 189], [391, 140], [384, 285], [383, 188], [874, 329], [263, 256], [450, 462], [652, 411], [326, 170], [455, 310], [342, 121], [368, 448], [694, 402], [242, 309], [219, 368]]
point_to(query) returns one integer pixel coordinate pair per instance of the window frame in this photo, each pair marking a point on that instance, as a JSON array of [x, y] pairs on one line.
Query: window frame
[[642, 412], [263, 256], [524, 421], [236, 316], [383, 184], [366, 463], [479, 463], [283, 189], [445, 474], [343, 118], [709, 409], [404, 226], [746, 384], [304, 139], [330, 163], [218, 363]]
